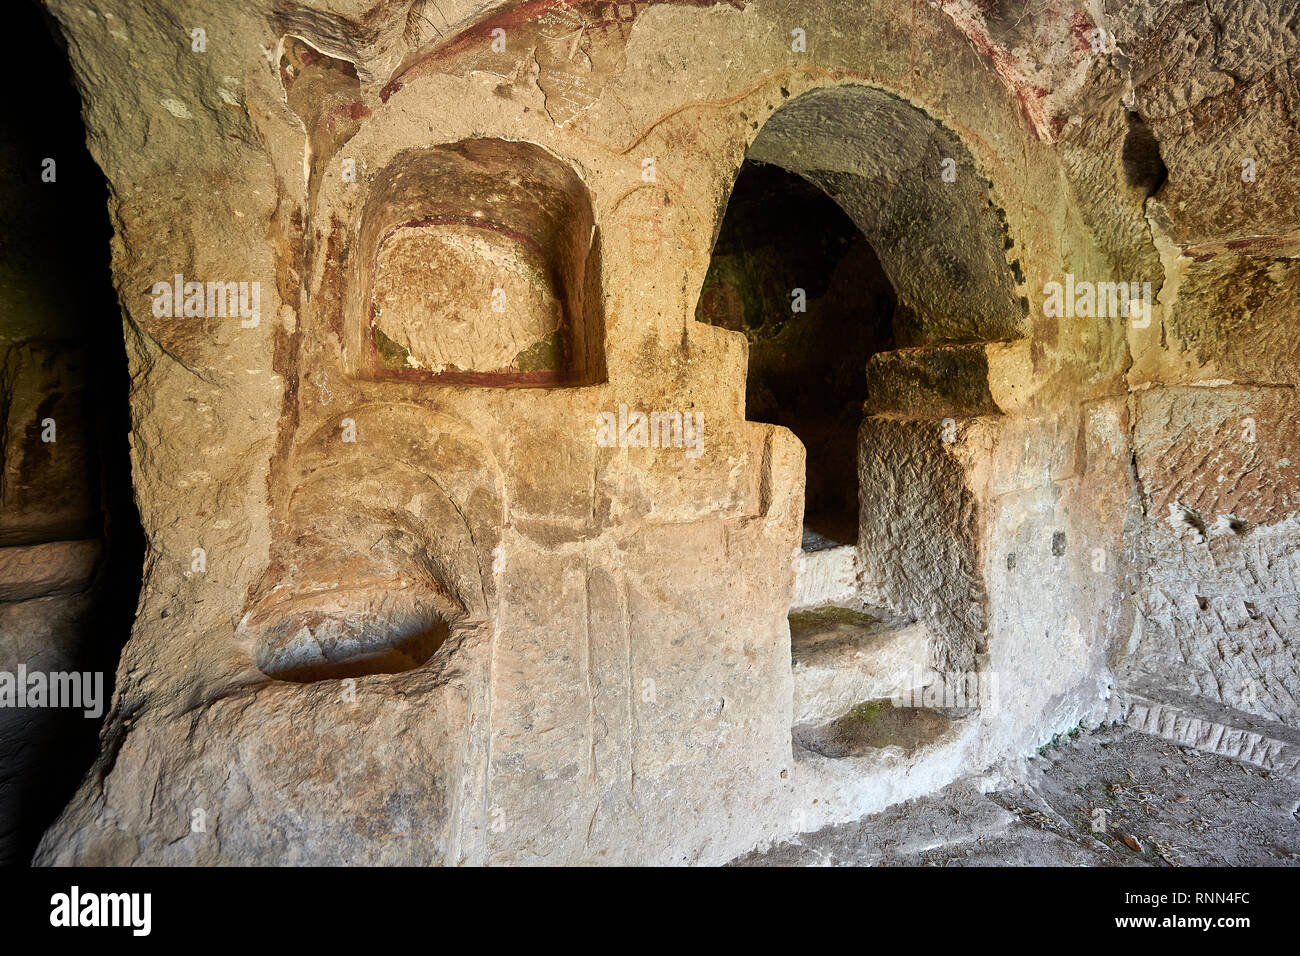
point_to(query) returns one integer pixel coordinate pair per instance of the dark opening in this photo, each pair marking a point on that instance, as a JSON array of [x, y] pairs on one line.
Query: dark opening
[[61, 353], [351, 632], [1143, 166], [807, 369]]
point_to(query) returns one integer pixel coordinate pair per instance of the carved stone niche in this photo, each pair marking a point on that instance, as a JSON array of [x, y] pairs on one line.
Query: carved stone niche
[[385, 553], [477, 263]]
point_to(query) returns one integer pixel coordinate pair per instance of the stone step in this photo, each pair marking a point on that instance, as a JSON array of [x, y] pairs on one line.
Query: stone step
[[842, 656], [1206, 725], [825, 576], [44, 570], [874, 725]]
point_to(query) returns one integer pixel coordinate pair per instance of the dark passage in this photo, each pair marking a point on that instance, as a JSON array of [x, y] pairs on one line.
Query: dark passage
[[807, 369], [66, 506]]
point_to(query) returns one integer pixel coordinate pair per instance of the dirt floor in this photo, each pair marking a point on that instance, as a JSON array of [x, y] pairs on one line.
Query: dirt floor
[[1115, 797]]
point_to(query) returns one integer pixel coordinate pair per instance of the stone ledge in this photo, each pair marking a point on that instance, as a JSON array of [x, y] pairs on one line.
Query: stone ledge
[[44, 570], [845, 658], [1214, 729], [958, 380]]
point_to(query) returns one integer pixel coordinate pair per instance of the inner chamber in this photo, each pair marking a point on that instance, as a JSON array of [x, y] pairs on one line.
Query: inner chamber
[[793, 273]]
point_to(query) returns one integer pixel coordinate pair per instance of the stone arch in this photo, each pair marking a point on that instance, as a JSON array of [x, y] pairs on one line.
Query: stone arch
[[923, 440], [940, 239]]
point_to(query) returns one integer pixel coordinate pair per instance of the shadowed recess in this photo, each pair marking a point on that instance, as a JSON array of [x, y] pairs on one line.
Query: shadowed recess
[[348, 632], [793, 273], [478, 264]]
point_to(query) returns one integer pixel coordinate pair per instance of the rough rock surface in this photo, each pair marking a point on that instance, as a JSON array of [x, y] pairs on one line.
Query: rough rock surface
[[424, 593]]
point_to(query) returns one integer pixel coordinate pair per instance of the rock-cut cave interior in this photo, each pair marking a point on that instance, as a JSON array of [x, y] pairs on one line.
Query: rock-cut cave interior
[[591, 432]]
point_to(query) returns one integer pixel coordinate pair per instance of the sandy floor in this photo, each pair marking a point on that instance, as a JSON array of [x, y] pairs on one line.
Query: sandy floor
[[1115, 797]]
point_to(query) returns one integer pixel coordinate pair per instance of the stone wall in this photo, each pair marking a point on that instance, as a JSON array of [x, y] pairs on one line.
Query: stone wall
[[456, 616], [1214, 376]]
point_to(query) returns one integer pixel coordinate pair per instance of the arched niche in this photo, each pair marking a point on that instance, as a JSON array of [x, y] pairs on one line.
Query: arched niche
[[478, 263]]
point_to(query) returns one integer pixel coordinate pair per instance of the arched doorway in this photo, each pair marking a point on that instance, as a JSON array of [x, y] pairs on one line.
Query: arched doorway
[[864, 259]]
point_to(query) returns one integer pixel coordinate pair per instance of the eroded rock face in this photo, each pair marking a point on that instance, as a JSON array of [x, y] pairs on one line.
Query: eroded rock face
[[463, 549], [1220, 545]]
